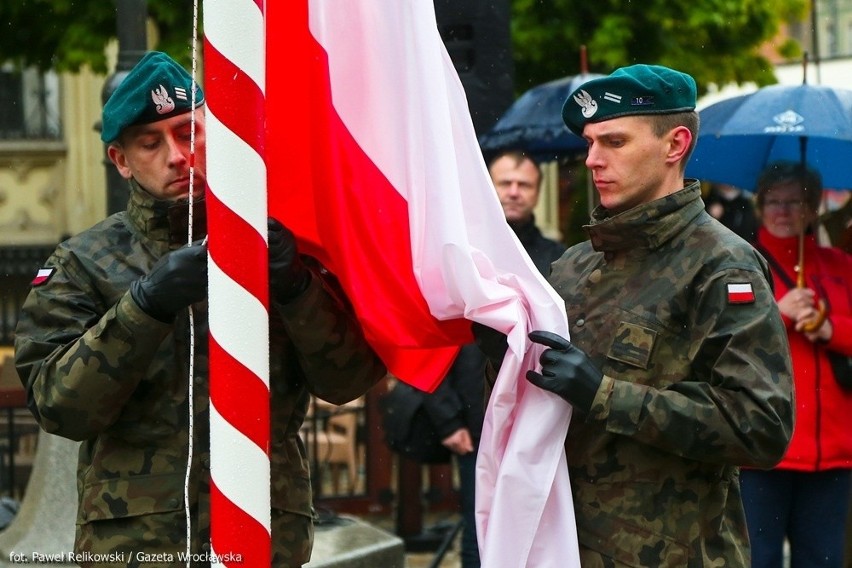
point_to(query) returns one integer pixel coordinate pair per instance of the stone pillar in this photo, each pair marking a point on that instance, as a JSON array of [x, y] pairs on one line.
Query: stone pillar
[[43, 529], [353, 543]]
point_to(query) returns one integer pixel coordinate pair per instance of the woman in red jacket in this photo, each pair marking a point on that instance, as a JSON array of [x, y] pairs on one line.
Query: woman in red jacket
[[804, 498]]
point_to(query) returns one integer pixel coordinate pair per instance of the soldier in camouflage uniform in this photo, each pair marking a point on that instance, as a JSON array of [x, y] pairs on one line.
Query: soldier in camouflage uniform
[[678, 366], [102, 347]]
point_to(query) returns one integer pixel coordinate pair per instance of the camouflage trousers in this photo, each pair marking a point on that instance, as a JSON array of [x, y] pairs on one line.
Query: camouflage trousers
[[159, 541]]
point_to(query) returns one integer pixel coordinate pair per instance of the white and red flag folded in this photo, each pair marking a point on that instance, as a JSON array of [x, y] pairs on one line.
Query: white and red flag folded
[[374, 164]]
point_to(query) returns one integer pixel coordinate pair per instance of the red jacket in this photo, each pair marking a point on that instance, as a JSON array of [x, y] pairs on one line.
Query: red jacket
[[822, 435]]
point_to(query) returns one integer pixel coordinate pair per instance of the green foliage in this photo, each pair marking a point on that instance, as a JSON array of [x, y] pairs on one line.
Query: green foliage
[[47, 32], [790, 49], [67, 34], [716, 41], [174, 25]]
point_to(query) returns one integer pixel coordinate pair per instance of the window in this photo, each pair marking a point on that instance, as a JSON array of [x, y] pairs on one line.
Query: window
[[849, 37], [29, 105]]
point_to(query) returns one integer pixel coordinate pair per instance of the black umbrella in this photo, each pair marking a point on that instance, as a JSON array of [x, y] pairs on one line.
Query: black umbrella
[[534, 122]]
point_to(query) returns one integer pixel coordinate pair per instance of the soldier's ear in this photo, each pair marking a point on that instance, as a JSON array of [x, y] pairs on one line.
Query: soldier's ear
[[679, 139], [118, 156]]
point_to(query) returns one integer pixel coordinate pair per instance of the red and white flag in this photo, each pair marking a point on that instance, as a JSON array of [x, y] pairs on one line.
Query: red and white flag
[[42, 276], [740, 293], [373, 162]]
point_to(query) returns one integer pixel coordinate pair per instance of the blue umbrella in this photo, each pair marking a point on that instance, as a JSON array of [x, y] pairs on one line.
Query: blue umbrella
[[741, 135], [534, 122]]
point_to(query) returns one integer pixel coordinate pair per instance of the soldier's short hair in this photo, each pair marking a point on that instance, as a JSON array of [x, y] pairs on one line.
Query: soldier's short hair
[[663, 123]]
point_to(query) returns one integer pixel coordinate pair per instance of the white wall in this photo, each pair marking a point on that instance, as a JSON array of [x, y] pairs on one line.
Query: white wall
[[832, 73]]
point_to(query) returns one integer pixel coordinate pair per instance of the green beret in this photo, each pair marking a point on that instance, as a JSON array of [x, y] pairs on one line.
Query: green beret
[[155, 89], [638, 89]]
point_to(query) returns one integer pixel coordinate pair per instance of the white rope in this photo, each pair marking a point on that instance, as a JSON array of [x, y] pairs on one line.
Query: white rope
[[191, 390]]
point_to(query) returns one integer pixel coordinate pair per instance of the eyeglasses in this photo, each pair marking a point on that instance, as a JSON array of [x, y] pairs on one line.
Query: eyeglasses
[[777, 204]]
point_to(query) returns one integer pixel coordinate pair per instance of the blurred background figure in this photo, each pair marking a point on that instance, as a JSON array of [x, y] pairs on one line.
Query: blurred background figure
[[837, 224], [733, 208], [804, 498], [517, 179]]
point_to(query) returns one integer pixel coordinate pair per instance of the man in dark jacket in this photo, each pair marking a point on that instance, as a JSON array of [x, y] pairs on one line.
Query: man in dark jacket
[[457, 406], [102, 345], [517, 179]]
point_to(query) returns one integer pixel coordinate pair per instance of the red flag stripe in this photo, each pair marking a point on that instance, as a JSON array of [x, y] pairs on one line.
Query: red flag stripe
[[360, 213]]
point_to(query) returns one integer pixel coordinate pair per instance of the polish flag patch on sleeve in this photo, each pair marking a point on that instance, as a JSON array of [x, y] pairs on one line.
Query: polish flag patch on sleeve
[[43, 276], [740, 293]]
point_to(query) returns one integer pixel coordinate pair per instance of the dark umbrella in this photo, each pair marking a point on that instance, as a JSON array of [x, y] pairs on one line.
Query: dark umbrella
[[534, 122], [739, 136]]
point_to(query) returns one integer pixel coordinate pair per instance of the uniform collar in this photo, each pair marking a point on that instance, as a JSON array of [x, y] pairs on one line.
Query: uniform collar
[[165, 220], [646, 226]]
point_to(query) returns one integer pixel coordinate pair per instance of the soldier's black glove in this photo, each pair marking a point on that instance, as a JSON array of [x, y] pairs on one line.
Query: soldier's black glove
[[492, 342], [288, 275], [566, 370], [174, 282]]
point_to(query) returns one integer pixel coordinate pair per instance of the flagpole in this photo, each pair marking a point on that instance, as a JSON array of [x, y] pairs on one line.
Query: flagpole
[[235, 85]]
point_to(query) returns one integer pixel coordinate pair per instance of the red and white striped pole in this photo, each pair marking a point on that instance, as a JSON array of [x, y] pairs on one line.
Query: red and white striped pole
[[234, 86]]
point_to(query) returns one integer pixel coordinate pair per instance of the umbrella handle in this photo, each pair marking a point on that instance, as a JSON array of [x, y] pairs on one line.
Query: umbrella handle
[[822, 309], [814, 323]]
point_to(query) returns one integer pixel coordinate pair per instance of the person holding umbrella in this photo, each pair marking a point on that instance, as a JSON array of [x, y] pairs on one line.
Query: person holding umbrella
[[677, 366], [804, 498]]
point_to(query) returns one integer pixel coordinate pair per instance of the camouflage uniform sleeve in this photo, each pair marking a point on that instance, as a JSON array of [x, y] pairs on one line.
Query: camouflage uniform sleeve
[[338, 363], [78, 361], [736, 405]]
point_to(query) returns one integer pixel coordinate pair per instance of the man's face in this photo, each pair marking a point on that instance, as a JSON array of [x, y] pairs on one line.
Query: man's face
[[630, 165], [517, 187], [157, 156]]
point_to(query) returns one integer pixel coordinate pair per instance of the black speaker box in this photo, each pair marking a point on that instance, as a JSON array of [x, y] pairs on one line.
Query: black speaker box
[[476, 35]]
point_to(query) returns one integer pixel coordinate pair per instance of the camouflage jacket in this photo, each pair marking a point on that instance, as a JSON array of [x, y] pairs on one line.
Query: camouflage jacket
[[697, 381], [98, 369]]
